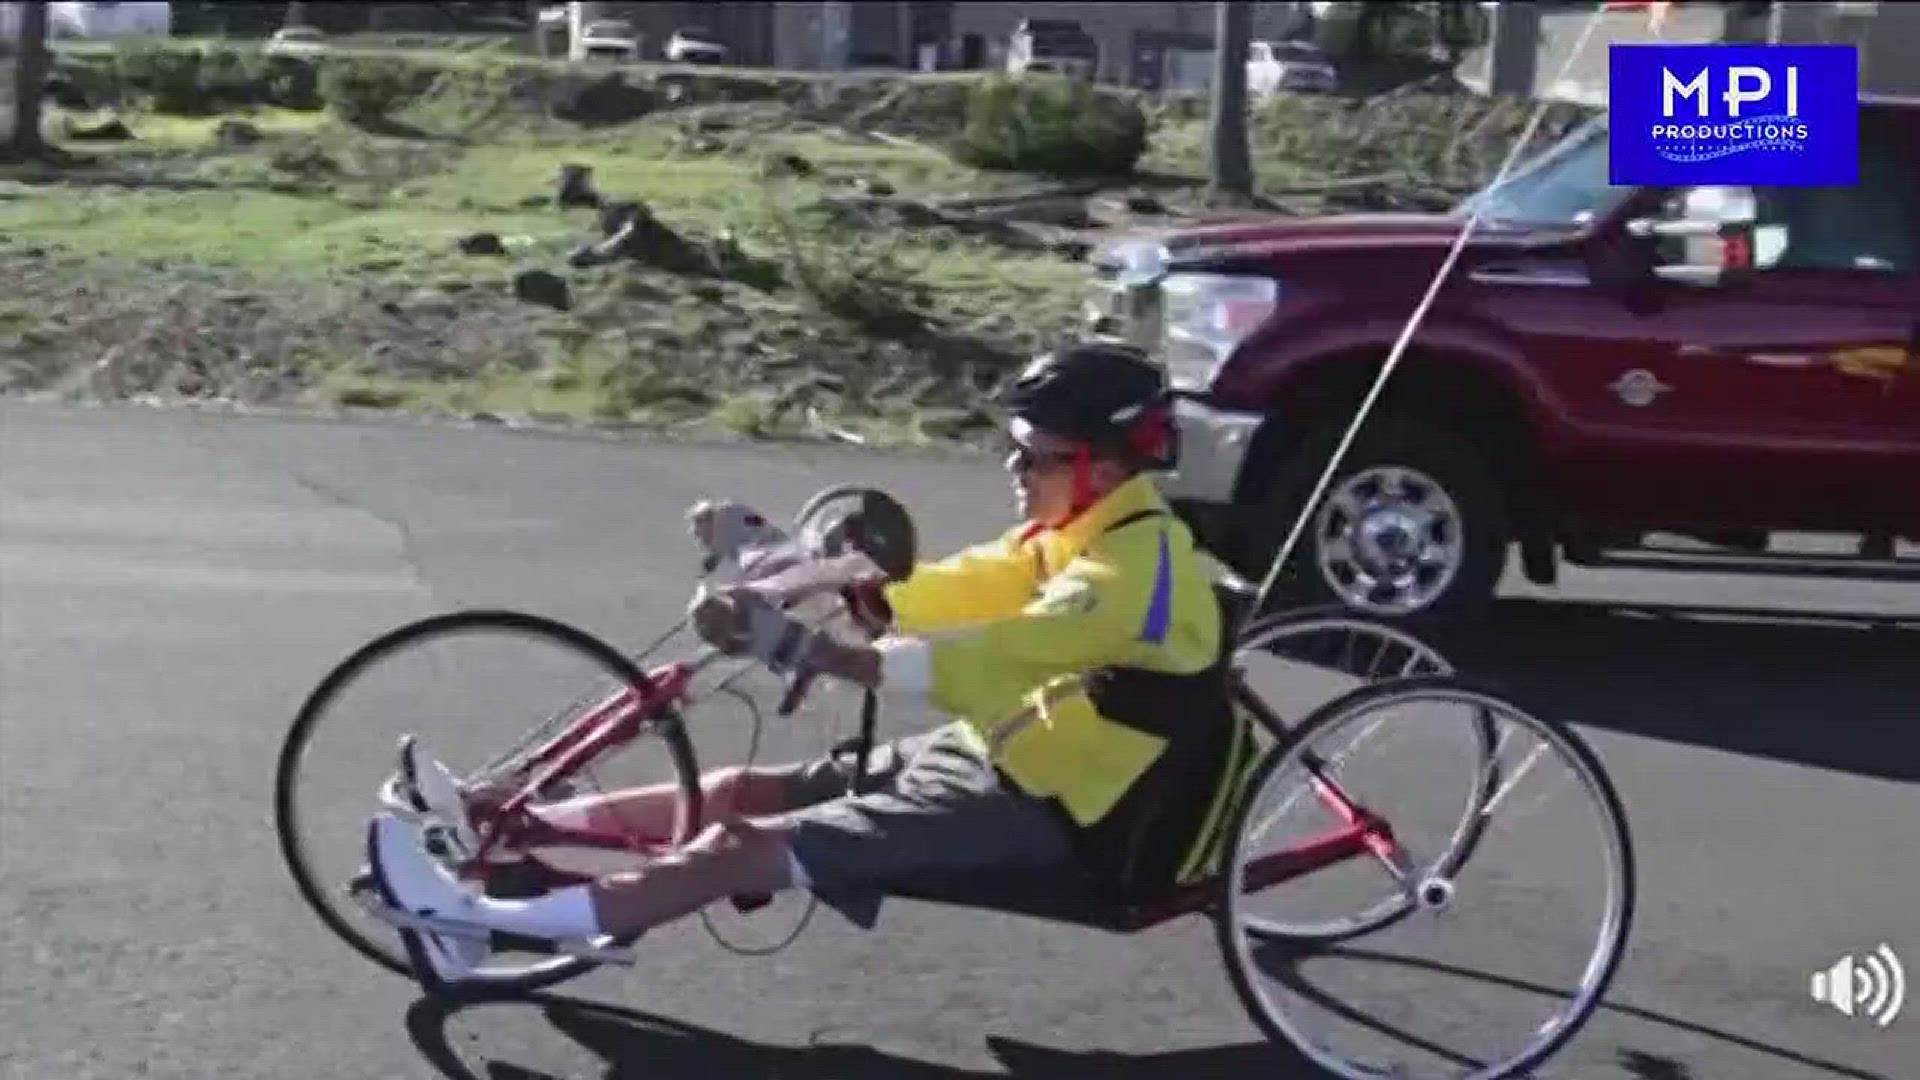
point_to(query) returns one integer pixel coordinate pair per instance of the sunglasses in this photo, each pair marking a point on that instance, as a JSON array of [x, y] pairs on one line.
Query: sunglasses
[[1027, 459]]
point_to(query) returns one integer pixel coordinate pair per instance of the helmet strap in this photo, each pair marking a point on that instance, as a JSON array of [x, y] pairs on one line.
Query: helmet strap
[[1083, 496], [1148, 436]]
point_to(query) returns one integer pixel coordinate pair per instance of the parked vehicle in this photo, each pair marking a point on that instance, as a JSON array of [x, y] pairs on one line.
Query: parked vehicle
[[1289, 66], [296, 41], [1606, 363], [1058, 46], [695, 45], [607, 39]]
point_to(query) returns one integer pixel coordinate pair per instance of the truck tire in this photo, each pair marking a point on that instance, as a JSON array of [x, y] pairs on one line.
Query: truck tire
[[1414, 526]]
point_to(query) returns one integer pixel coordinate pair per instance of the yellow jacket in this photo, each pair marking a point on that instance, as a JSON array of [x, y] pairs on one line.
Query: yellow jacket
[[998, 635]]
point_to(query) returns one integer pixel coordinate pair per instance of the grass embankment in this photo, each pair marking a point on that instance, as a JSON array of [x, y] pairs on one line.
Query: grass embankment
[[265, 254]]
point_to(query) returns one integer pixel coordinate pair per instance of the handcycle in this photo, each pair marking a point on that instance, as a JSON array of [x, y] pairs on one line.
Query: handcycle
[[630, 704]]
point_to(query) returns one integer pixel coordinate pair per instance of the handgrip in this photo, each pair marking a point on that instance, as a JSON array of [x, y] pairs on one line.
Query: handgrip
[[802, 681]]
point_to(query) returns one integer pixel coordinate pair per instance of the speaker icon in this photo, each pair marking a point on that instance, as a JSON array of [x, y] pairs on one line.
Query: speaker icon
[[1874, 985]]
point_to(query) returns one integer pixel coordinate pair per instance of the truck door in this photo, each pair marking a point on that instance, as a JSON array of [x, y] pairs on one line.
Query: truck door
[[1849, 259], [1788, 401]]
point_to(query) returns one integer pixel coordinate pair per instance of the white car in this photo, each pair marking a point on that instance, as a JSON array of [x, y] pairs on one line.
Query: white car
[[607, 39], [694, 45], [1298, 66], [1054, 46], [296, 41]]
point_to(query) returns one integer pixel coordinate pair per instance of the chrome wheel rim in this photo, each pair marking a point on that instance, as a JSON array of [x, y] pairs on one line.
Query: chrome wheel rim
[[1390, 540]]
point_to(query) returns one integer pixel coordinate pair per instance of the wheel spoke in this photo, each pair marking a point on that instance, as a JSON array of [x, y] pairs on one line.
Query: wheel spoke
[[476, 702], [1356, 646], [1440, 889]]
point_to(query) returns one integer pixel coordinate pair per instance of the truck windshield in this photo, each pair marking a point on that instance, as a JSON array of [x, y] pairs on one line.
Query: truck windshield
[[1566, 185]]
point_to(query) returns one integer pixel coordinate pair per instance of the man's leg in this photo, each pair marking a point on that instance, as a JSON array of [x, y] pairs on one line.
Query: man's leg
[[727, 794], [747, 855], [726, 859]]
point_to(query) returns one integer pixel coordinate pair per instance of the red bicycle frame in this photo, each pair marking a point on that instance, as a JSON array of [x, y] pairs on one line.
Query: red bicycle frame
[[607, 726], [622, 716]]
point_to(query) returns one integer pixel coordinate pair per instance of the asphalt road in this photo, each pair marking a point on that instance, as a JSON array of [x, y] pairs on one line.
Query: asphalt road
[[172, 585]]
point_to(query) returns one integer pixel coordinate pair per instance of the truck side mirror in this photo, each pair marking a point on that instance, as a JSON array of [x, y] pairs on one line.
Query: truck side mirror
[[1705, 237]]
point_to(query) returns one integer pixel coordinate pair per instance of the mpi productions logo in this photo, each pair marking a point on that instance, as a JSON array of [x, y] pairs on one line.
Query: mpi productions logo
[[1748, 115]]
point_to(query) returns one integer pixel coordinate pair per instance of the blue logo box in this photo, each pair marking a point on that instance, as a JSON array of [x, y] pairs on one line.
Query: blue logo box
[[1754, 115]]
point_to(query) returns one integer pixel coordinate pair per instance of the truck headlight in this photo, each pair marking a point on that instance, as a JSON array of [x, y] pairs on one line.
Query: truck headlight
[[1204, 317], [1123, 299], [1132, 263]]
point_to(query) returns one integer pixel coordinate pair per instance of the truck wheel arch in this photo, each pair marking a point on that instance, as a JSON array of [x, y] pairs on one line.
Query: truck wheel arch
[[1432, 383]]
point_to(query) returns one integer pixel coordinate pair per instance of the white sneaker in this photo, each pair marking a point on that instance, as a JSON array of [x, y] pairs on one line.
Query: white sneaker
[[436, 793], [410, 880]]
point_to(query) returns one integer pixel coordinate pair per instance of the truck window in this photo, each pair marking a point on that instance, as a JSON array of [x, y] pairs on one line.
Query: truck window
[[1868, 228], [1566, 185]]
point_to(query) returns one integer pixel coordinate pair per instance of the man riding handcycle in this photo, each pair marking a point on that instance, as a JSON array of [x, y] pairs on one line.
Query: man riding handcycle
[[1080, 656], [1110, 758]]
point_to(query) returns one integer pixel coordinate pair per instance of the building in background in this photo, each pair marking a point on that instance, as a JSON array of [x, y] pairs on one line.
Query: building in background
[[1162, 46], [1152, 46], [841, 36], [93, 20], [1887, 35], [745, 29]]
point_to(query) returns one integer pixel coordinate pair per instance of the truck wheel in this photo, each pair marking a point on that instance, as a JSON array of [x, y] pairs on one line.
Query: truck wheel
[[1413, 527]]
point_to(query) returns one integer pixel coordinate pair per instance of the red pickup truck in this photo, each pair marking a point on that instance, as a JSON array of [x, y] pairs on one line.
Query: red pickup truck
[[1604, 364]]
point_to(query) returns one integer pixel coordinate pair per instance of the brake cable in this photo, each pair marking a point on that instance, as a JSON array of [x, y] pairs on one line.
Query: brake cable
[[1426, 302]]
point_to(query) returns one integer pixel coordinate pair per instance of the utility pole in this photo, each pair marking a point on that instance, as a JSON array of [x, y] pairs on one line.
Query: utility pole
[[836, 31], [30, 80], [1796, 24], [1515, 49], [1747, 23], [1229, 159]]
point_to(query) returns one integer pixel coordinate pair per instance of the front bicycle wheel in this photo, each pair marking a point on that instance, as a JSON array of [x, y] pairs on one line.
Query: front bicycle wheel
[[483, 691], [1468, 971], [1287, 665]]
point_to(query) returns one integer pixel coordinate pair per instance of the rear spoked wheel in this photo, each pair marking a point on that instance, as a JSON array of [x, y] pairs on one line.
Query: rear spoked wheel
[[1289, 664], [483, 691], [1487, 944]]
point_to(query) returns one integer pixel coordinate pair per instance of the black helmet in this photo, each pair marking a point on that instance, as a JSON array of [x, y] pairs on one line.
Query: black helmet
[[1106, 395]]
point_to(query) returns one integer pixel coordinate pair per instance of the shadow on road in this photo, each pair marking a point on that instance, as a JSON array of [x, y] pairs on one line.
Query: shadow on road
[[633, 1045], [1835, 693], [1276, 962]]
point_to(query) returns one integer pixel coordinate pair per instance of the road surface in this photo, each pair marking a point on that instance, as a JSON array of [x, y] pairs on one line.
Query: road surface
[[172, 584]]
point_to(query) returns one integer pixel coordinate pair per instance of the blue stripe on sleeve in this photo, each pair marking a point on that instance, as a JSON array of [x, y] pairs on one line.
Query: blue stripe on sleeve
[[1160, 609]]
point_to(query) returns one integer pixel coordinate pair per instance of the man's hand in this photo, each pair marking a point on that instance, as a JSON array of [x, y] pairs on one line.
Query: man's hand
[[844, 660], [815, 577], [739, 621], [736, 539]]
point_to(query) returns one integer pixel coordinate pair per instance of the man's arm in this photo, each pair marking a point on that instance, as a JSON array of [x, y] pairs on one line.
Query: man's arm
[[987, 581], [973, 587], [1088, 617]]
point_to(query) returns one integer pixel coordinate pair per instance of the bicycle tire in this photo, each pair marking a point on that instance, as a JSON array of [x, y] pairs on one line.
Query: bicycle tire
[[313, 892], [1264, 631], [1619, 833]]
